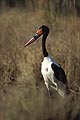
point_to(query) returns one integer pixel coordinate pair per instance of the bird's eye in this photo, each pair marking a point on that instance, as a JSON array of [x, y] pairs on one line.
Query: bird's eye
[[39, 31]]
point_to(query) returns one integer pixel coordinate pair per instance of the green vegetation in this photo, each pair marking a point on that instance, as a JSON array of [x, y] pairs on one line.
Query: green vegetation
[[23, 95]]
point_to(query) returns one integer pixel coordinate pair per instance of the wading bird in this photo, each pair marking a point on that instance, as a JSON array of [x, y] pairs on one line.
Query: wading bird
[[50, 69]]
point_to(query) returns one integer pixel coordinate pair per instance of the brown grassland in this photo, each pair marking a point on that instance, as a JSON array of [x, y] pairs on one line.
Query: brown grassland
[[23, 95]]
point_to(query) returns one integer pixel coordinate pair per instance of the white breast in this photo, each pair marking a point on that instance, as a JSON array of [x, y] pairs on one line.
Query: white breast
[[46, 69]]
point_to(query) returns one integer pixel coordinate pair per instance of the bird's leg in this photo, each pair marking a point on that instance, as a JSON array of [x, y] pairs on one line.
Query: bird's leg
[[54, 86], [77, 86], [47, 85]]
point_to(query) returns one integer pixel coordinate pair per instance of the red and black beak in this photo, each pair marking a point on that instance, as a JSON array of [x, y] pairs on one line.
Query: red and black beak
[[35, 37]]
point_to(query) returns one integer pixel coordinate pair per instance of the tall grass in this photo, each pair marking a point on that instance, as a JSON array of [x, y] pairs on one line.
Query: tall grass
[[23, 94]]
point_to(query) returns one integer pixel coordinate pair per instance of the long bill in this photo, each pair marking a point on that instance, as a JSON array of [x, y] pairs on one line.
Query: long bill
[[35, 37]]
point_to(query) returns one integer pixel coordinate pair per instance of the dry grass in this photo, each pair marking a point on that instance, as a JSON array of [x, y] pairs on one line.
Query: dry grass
[[23, 94]]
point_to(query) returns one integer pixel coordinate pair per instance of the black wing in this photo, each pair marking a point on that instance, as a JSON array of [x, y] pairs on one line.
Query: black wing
[[59, 73]]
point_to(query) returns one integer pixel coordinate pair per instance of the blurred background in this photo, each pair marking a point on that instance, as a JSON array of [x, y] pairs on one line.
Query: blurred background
[[23, 95]]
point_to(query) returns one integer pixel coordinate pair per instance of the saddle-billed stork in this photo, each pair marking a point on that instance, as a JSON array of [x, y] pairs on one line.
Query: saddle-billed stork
[[50, 69]]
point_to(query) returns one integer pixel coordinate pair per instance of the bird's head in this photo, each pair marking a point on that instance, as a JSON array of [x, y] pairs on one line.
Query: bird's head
[[43, 30]]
